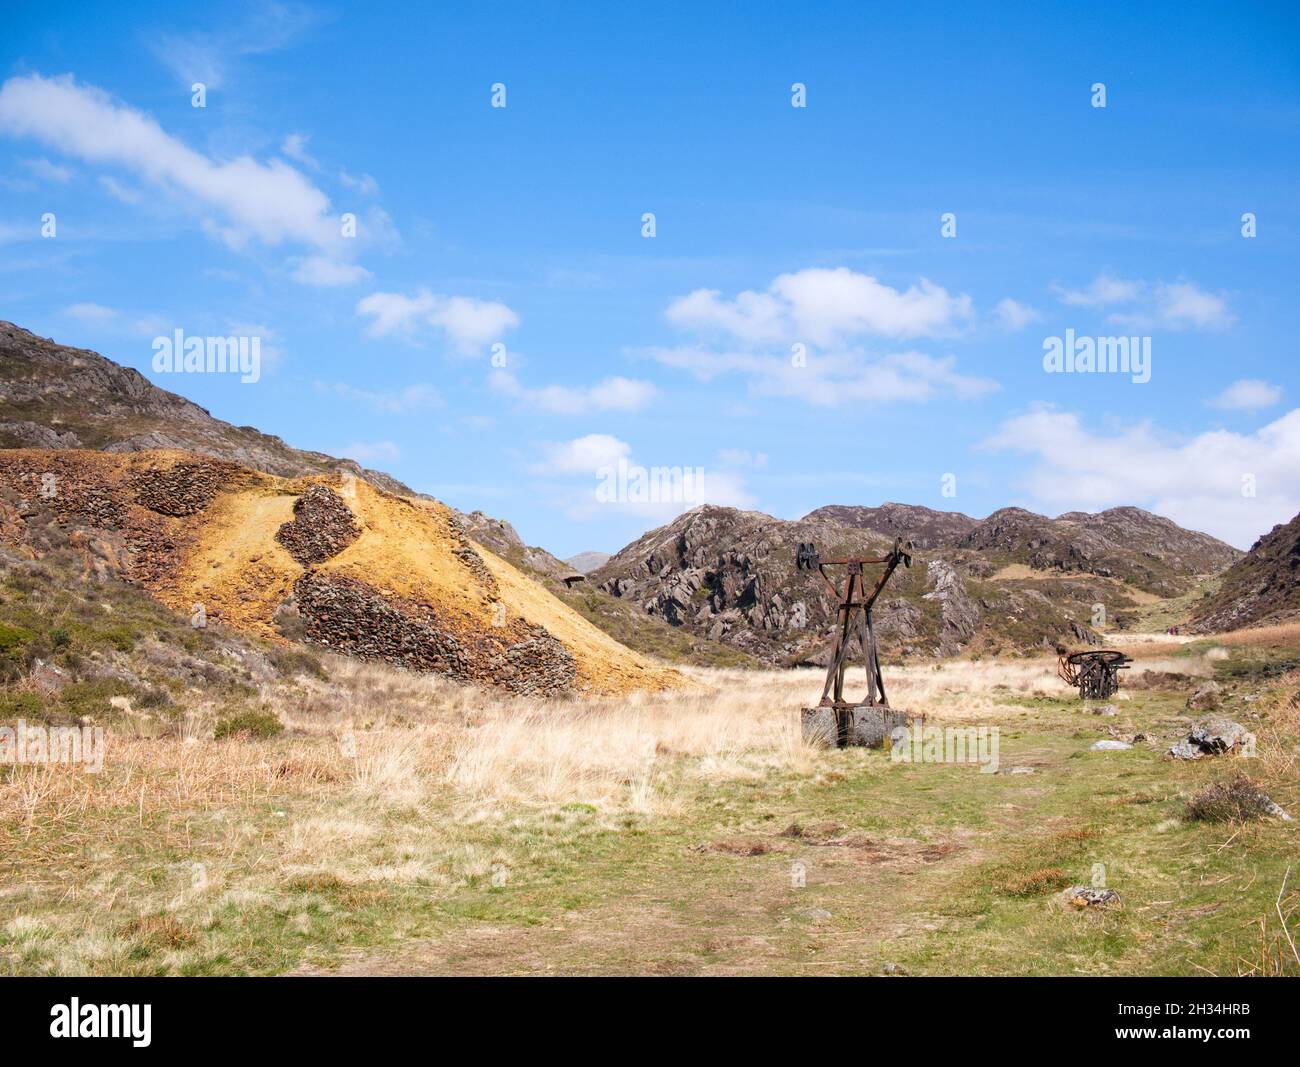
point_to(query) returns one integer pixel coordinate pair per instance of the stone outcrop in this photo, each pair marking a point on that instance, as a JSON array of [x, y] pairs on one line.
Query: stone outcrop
[[959, 611], [1214, 737]]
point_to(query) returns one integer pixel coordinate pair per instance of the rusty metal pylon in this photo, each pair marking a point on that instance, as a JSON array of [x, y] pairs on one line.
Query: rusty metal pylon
[[854, 615]]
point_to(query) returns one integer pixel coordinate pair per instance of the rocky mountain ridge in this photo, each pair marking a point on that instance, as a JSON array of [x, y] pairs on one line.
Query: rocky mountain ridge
[[1261, 588], [1014, 580]]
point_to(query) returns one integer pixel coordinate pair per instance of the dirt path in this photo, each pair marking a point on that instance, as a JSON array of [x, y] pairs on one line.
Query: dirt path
[[734, 914]]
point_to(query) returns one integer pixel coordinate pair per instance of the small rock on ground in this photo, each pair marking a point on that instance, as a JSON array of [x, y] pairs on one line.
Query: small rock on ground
[[1206, 697], [1086, 896]]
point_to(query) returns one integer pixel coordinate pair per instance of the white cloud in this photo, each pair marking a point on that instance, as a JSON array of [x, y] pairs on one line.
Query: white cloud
[[469, 324], [417, 397], [1248, 394], [811, 317], [1173, 305], [610, 394], [832, 378], [326, 271], [365, 184], [372, 452], [819, 306], [585, 464], [1013, 315], [583, 455], [1102, 291], [295, 147], [1185, 304], [241, 200], [1197, 482]]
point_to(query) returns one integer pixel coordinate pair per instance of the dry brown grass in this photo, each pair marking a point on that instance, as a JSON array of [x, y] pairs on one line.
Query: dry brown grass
[[1287, 633], [389, 789]]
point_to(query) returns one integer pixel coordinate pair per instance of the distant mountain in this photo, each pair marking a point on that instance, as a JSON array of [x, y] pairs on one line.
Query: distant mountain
[[1015, 580], [1163, 544], [1261, 587], [586, 562], [1144, 550], [502, 538], [924, 527]]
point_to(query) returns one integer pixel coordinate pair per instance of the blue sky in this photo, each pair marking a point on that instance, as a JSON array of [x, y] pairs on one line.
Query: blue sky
[[799, 326]]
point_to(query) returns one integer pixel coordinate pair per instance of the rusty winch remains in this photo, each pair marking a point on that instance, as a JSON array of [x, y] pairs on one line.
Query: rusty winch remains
[[836, 720], [1095, 671]]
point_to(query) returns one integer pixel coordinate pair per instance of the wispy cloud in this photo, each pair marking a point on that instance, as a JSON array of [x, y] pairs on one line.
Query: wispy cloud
[[828, 379], [1014, 316], [411, 398], [325, 271], [115, 321], [240, 201], [211, 57], [1139, 304], [610, 394], [577, 469], [468, 324], [1248, 394], [372, 452]]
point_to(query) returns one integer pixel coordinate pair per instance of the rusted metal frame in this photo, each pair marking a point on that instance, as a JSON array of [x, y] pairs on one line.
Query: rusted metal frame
[[833, 689], [1094, 671], [835, 670]]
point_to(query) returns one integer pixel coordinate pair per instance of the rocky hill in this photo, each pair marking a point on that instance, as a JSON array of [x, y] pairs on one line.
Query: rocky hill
[[53, 396], [1260, 588], [1013, 581], [924, 527], [56, 397], [327, 559], [1143, 550]]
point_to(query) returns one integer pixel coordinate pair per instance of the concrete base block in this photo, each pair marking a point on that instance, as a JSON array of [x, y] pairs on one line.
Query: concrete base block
[[858, 725]]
